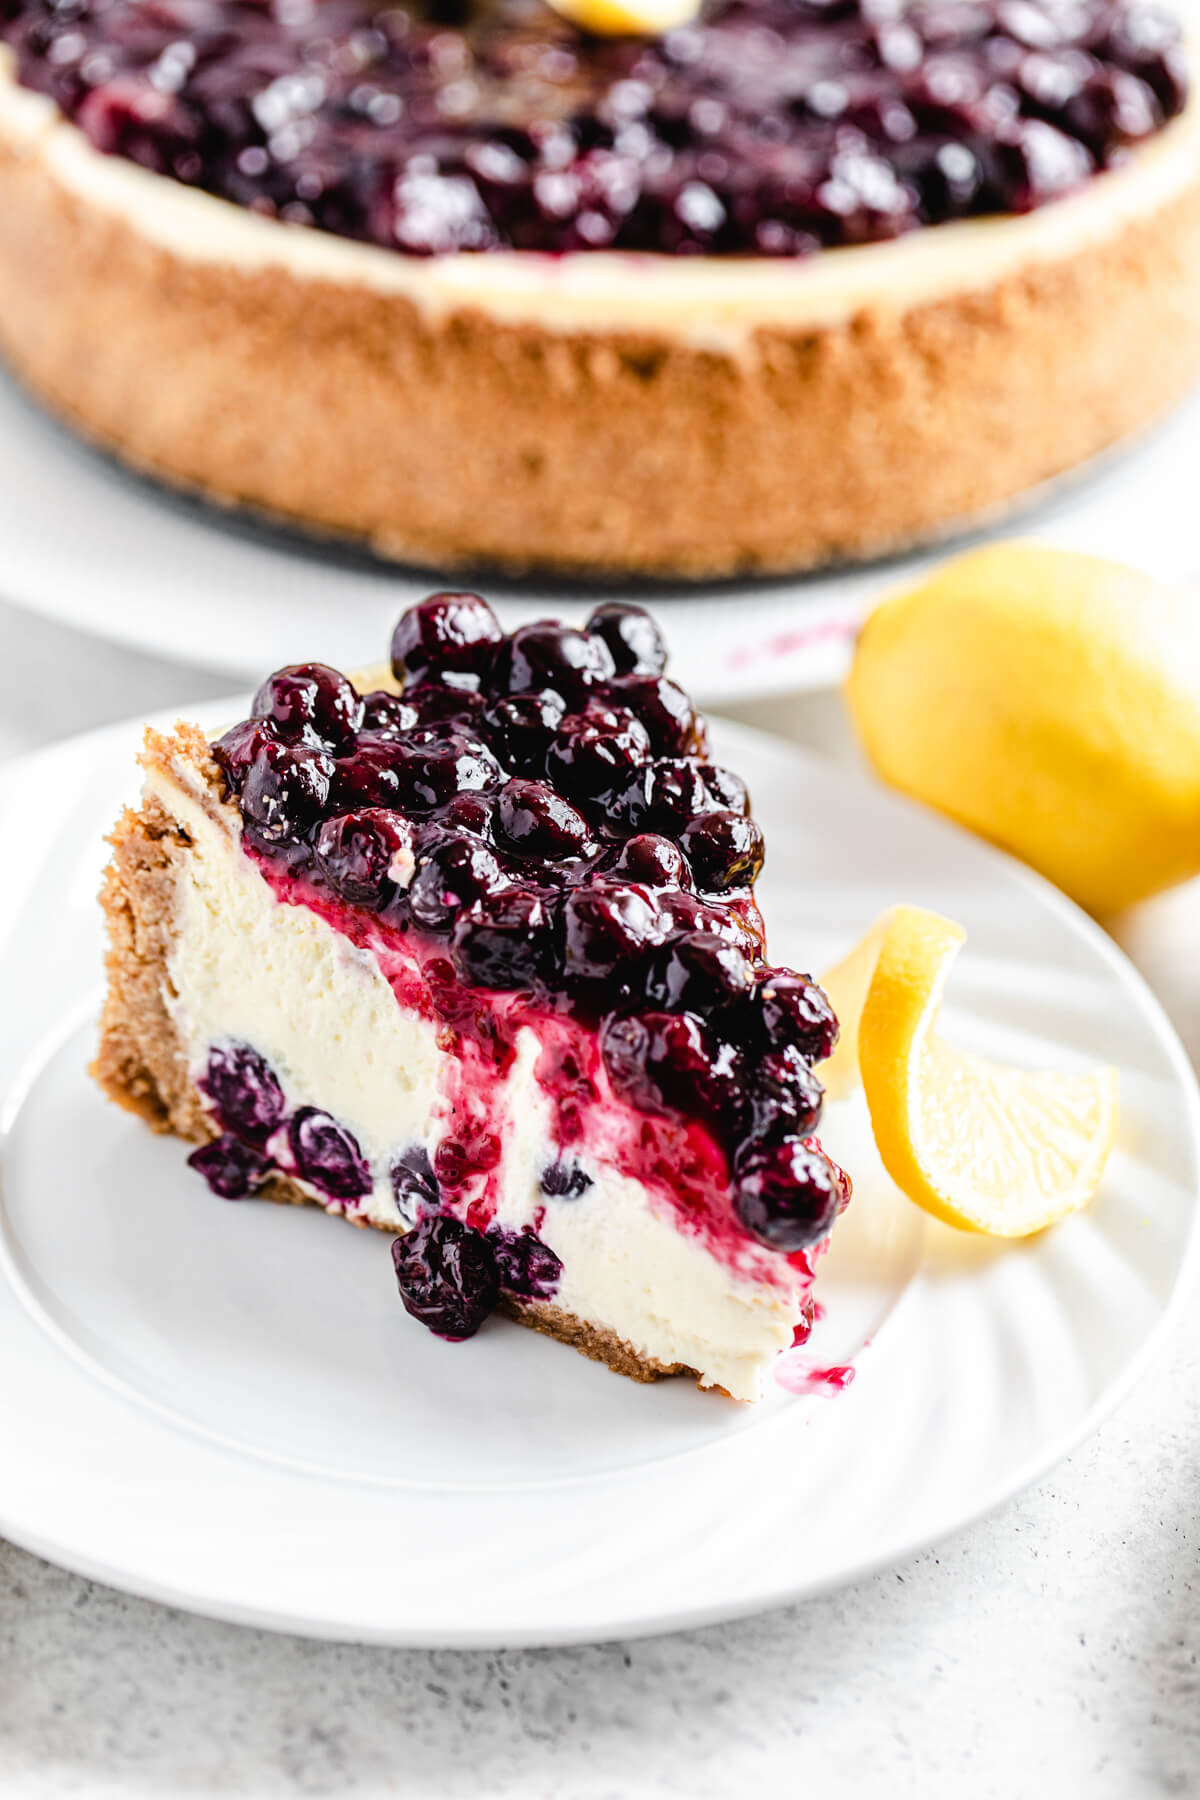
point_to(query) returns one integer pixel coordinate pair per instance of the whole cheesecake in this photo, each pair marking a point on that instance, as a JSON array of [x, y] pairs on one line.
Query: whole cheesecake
[[794, 283]]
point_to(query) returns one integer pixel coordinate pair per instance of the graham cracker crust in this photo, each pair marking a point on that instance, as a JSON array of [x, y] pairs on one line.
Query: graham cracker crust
[[463, 440], [141, 1061]]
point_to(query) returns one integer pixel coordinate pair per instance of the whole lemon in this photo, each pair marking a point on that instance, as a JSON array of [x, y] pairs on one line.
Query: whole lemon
[[1051, 702]]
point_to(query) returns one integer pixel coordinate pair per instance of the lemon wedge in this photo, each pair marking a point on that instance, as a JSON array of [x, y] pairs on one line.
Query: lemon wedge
[[1051, 702], [627, 18], [990, 1149]]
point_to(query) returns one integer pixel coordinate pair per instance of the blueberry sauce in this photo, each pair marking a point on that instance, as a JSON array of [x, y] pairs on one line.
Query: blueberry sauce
[[768, 128], [493, 903]]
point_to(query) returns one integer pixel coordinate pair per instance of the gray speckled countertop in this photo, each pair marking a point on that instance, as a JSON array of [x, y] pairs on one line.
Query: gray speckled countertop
[[1052, 1649]]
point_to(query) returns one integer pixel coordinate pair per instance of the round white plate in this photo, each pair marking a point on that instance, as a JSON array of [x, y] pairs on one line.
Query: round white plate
[[95, 547], [226, 1406]]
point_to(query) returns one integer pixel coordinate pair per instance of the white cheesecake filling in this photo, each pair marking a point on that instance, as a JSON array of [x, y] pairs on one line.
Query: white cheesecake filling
[[248, 968], [715, 303]]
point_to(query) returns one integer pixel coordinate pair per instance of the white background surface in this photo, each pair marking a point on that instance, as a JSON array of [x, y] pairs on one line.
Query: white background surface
[[1052, 1649]]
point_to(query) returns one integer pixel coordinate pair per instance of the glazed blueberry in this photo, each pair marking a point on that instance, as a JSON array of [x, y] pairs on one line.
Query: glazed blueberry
[[792, 1011], [285, 790], [634, 641], [663, 797], [653, 861], [687, 912], [725, 850], [328, 1156], [726, 790], [536, 821], [785, 1098], [232, 1169], [373, 776], [460, 708], [414, 1184], [245, 1093], [596, 753], [366, 855], [446, 1273], [564, 1180], [521, 729], [525, 1266], [549, 656], [669, 1063], [764, 128], [235, 752], [788, 1194], [474, 812], [447, 638], [452, 873], [698, 973], [1032, 162], [671, 721], [310, 703], [608, 930], [505, 941], [387, 715]]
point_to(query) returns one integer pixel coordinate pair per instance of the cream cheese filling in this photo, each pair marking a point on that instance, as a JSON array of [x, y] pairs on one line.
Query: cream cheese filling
[[246, 968], [706, 302]]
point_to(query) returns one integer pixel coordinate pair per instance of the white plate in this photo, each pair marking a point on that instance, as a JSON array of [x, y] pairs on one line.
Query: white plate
[[227, 1408], [94, 547]]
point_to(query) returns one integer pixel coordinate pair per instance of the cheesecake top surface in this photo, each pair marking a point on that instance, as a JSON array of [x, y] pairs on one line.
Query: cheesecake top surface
[[531, 829], [771, 128]]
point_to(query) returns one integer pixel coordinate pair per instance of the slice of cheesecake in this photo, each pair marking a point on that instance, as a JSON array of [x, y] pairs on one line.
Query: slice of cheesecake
[[469, 952]]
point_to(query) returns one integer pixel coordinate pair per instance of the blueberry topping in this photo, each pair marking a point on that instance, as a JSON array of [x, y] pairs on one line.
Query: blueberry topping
[[788, 1194], [550, 656], [309, 703], [364, 855], [446, 1273], [521, 729], [596, 753], [727, 790], [725, 850], [663, 797], [634, 641], [285, 790], [232, 1169], [669, 1062], [328, 1156], [387, 715], [653, 861], [785, 1097], [244, 1091], [452, 873], [668, 716], [525, 1266], [536, 821], [608, 931], [764, 128], [235, 752], [698, 973], [447, 638], [505, 941], [793, 1011]]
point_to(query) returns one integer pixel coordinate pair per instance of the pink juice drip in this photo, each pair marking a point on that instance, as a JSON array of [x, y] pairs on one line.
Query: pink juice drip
[[797, 1375]]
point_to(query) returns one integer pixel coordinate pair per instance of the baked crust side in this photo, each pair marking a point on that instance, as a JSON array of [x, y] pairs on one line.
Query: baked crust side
[[465, 440], [141, 1063]]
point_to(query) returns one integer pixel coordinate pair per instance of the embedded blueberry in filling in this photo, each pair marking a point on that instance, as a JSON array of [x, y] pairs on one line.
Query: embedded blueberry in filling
[[414, 1184], [525, 1265], [328, 1156], [565, 1180], [231, 1168], [766, 128], [244, 1091]]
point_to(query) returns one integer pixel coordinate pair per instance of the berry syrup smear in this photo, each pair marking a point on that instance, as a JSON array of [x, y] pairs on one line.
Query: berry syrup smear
[[768, 128], [531, 834]]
